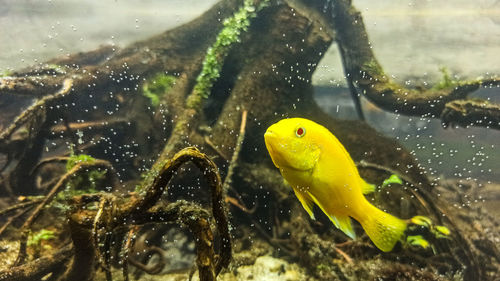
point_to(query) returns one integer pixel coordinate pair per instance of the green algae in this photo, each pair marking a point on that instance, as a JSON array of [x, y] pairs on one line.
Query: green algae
[[88, 180], [35, 239], [373, 67], [230, 34], [158, 86], [446, 81]]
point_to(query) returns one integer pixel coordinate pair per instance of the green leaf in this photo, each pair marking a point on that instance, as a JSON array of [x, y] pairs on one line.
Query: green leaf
[[417, 240], [35, 239], [421, 220], [392, 179], [441, 231]]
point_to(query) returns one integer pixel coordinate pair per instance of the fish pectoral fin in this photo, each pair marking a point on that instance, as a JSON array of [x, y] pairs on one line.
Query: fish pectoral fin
[[343, 223], [367, 188], [285, 182], [306, 202]]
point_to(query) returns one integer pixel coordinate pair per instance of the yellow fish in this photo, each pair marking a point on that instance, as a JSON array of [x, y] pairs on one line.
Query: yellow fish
[[319, 169]]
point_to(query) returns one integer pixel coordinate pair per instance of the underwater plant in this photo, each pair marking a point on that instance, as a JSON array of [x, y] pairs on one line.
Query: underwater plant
[[446, 80], [37, 237], [35, 240], [85, 182], [230, 34], [391, 180], [157, 86]]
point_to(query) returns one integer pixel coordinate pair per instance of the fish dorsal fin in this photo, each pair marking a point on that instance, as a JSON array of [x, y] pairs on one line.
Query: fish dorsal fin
[[341, 222], [306, 201], [367, 188]]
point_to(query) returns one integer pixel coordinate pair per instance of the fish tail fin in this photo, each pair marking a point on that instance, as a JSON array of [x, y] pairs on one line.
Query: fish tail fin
[[384, 229]]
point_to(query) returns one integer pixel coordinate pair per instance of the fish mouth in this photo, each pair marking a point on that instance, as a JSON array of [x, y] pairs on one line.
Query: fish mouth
[[272, 139], [269, 138]]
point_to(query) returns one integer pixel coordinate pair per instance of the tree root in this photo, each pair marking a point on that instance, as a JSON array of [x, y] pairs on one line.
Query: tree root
[[13, 218], [360, 63], [78, 168], [20, 206], [154, 269], [37, 110], [40, 267], [110, 216], [90, 226], [129, 242], [471, 112]]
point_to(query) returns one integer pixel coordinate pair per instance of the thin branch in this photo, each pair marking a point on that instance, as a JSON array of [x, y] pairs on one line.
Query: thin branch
[[242, 207], [352, 88], [214, 147], [345, 255], [20, 206], [56, 159], [38, 268], [25, 86], [79, 167], [153, 269], [12, 218], [234, 159], [88, 126], [32, 111], [129, 242], [471, 112]]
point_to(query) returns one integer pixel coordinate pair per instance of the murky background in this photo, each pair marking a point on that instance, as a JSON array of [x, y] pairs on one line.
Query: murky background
[[411, 39]]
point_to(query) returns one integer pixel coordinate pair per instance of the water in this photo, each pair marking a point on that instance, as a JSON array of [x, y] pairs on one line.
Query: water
[[96, 96]]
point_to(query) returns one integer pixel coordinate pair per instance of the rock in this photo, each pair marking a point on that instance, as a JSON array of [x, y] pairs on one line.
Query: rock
[[266, 268]]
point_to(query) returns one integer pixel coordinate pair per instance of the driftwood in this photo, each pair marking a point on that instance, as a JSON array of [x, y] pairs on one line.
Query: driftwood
[[112, 214], [264, 74], [449, 103]]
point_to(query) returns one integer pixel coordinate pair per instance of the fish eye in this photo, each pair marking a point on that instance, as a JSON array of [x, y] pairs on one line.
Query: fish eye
[[300, 132]]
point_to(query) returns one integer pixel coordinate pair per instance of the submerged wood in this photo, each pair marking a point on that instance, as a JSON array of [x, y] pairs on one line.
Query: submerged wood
[[268, 81]]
